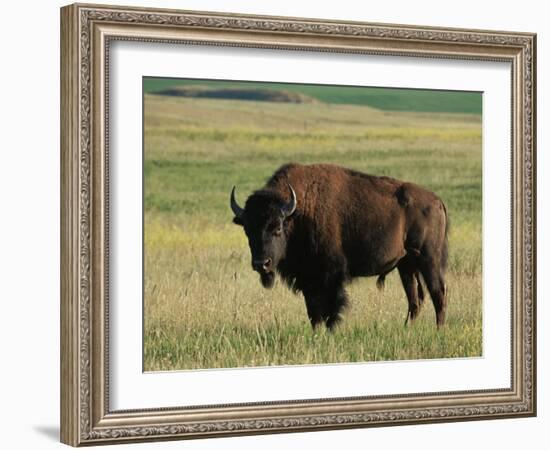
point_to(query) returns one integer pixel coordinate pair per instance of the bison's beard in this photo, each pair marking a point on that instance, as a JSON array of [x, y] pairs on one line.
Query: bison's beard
[[267, 279]]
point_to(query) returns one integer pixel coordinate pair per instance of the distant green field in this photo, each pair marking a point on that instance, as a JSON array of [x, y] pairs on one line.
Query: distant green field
[[417, 100], [204, 307]]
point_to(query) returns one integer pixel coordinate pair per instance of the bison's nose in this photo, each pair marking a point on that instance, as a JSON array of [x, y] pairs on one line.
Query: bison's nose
[[262, 265]]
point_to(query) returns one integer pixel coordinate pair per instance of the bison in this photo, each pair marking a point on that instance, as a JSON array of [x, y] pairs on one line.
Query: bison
[[319, 226]]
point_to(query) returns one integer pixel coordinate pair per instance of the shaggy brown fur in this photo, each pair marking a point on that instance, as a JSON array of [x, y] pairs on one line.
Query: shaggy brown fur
[[347, 224]]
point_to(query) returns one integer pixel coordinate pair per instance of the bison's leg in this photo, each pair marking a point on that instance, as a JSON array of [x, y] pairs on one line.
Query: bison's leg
[[437, 288], [325, 304], [314, 306], [411, 284], [336, 302]]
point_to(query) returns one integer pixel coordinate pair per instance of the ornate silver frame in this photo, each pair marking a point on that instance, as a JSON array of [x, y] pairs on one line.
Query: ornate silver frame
[[86, 31]]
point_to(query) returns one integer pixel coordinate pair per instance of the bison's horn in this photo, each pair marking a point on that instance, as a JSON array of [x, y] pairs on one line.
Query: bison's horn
[[237, 210], [290, 207]]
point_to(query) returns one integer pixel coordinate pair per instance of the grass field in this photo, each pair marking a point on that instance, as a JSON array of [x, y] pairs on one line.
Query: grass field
[[204, 307]]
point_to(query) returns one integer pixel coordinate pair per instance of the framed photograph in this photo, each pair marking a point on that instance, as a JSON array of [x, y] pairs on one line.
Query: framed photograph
[[277, 224]]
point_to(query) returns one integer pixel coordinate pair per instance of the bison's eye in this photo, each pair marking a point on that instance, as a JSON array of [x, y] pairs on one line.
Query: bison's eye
[[276, 229]]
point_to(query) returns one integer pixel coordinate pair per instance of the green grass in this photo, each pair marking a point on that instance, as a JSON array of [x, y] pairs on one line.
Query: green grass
[[205, 307], [418, 100]]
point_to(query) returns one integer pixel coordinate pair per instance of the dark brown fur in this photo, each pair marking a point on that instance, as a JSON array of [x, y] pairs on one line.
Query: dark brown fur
[[349, 224]]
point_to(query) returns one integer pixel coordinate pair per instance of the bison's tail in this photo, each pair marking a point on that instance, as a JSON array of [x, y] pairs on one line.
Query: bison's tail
[[380, 282], [445, 248]]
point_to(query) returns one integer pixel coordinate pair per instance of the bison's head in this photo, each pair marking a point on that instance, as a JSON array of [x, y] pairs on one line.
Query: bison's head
[[265, 219]]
